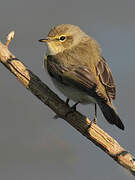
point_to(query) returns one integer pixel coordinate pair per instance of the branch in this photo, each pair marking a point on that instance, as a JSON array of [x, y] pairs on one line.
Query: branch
[[75, 119]]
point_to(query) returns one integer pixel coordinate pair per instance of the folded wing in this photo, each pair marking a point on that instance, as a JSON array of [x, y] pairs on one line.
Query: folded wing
[[77, 76]]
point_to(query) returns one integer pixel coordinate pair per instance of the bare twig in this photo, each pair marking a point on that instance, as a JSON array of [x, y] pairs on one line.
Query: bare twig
[[75, 119]]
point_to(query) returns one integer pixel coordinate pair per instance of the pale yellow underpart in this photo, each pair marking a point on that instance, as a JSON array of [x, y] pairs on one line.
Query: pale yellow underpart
[[74, 93]]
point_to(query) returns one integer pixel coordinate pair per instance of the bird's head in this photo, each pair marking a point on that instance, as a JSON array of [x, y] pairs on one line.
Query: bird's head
[[63, 37]]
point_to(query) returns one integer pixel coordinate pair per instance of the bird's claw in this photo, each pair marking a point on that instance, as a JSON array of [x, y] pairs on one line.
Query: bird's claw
[[72, 109]]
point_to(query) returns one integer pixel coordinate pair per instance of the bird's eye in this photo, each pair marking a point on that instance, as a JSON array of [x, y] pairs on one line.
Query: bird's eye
[[62, 38]]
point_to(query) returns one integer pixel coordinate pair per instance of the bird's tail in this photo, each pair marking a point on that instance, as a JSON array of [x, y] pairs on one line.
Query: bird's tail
[[110, 114]]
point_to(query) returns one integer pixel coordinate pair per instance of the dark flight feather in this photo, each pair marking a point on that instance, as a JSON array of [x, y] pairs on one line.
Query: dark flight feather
[[106, 78]]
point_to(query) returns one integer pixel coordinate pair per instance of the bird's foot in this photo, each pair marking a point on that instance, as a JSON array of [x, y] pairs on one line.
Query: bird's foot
[[94, 121], [72, 109]]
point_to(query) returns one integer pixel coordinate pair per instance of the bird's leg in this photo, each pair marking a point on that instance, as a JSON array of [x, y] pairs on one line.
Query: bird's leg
[[95, 117], [94, 120]]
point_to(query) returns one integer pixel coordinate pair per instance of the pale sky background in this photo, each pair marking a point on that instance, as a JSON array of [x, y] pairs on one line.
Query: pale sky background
[[34, 146]]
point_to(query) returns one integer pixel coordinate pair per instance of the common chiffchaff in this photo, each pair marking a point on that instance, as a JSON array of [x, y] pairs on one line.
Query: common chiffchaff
[[79, 71]]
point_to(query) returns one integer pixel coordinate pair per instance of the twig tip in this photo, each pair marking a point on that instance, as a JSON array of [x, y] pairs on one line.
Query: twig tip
[[9, 37]]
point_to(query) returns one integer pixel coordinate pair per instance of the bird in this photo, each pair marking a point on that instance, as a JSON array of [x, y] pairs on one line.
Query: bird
[[77, 68]]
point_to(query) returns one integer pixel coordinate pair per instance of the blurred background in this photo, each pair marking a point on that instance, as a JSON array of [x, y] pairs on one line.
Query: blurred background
[[32, 144]]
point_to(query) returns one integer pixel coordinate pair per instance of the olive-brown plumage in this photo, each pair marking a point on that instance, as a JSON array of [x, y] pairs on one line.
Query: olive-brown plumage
[[79, 71]]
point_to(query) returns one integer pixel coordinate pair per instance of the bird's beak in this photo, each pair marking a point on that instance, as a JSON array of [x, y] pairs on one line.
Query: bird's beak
[[44, 40]]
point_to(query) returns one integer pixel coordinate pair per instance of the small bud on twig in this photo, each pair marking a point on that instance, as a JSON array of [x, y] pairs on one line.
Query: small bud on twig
[[9, 37]]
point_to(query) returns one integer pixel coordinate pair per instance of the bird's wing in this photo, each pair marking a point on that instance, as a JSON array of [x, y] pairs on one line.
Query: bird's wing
[[106, 78], [76, 76]]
